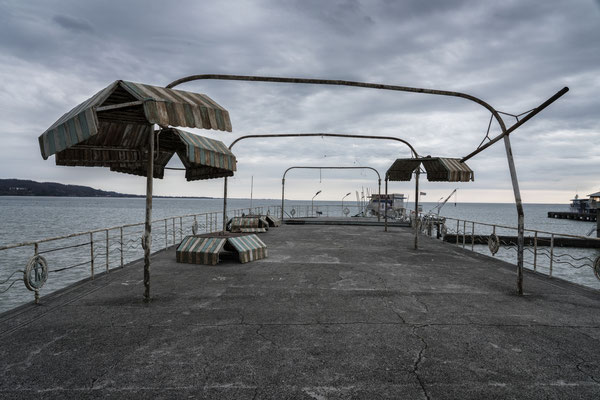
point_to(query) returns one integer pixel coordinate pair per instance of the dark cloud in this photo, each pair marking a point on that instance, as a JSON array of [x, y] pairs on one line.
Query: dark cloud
[[75, 25]]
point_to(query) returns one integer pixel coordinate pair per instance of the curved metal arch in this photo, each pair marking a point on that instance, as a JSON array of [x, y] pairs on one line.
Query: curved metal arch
[[302, 167], [412, 149], [503, 135], [336, 82], [349, 135]]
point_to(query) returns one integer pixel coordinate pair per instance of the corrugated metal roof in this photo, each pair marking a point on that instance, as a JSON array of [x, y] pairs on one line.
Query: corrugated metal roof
[[438, 169], [199, 250], [123, 150], [147, 105], [402, 169], [447, 170], [248, 247], [248, 224], [597, 194]]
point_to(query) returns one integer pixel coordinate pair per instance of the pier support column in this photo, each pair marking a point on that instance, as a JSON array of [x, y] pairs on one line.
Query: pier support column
[[520, 213]]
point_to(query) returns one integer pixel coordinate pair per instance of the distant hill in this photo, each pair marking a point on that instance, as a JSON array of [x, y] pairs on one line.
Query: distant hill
[[19, 187]]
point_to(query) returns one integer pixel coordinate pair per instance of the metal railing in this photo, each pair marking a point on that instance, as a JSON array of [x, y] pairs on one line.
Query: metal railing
[[571, 257], [59, 261]]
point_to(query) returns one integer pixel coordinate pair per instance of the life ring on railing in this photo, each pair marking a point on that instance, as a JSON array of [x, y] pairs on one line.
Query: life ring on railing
[[195, 228], [597, 267], [346, 211], [444, 230], [36, 273], [293, 212], [493, 243]]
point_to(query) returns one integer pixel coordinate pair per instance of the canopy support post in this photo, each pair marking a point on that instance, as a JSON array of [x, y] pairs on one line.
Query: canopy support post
[[379, 202], [417, 173], [282, 196], [147, 238], [520, 212], [385, 215], [224, 205]]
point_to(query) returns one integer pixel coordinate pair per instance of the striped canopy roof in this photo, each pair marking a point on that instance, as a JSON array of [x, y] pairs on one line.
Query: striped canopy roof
[[126, 109], [402, 169], [202, 157], [438, 169]]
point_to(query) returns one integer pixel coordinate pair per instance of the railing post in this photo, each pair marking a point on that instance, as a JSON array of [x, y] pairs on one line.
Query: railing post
[[36, 293], [535, 240], [92, 253], [166, 235], [464, 233], [472, 236], [122, 264], [173, 231], [457, 230], [107, 250], [551, 253], [181, 228], [206, 224]]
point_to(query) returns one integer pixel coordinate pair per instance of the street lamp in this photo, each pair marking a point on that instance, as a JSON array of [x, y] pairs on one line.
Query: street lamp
[[347, 194], [312, 208]]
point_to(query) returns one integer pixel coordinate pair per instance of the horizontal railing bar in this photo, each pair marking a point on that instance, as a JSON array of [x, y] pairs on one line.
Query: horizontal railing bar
[[72, 235], [526, 230]]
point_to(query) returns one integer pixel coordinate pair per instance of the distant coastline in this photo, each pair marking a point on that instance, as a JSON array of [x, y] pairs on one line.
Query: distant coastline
[[21, 187]]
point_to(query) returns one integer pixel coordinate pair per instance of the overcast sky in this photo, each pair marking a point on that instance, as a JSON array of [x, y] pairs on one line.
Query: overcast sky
[[512, 54]]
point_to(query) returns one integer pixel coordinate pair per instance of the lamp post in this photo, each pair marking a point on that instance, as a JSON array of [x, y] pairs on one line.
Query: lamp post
[[312, 208], [347, 194]]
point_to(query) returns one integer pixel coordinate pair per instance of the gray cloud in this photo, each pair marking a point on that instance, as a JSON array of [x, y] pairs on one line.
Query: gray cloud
[[513, 54]]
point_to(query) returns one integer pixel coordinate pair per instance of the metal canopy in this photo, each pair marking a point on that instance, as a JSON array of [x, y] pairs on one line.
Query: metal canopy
[[115, 128], [447, 170], [122, 112], [202, 157], [438, 169], [402, 169]]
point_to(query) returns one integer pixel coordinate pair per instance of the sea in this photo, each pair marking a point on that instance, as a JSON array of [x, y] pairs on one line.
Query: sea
[[26, 219]]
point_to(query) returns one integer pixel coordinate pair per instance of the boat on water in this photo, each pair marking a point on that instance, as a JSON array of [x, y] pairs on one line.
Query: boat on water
[[396, 205]]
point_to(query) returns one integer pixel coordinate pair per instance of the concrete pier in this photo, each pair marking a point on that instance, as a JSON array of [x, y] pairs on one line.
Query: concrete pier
[[335, 312]]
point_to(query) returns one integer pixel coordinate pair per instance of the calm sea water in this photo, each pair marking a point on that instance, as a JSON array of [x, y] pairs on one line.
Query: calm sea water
[[25, 219]]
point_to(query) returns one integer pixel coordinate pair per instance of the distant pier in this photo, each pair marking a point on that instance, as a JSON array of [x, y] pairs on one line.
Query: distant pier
[[591, 217]]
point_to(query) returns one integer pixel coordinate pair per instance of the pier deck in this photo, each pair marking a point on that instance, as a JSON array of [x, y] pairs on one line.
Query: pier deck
[[334, 312]]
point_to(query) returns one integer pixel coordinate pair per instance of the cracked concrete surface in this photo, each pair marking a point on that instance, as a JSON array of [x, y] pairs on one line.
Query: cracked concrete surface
[[335, 312]]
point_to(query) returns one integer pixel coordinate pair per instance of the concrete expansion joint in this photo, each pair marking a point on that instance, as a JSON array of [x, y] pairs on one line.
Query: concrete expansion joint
[[418, 360]]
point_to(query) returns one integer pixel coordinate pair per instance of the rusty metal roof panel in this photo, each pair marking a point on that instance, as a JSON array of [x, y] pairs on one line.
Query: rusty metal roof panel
[[447, 170], [132, 104], [248, 247], [199, 250], [402, 169], [122, 148]]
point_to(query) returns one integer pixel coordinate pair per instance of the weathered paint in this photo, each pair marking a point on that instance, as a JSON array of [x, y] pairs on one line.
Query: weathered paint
[[161, 106], [248, 247], [199, 250]]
